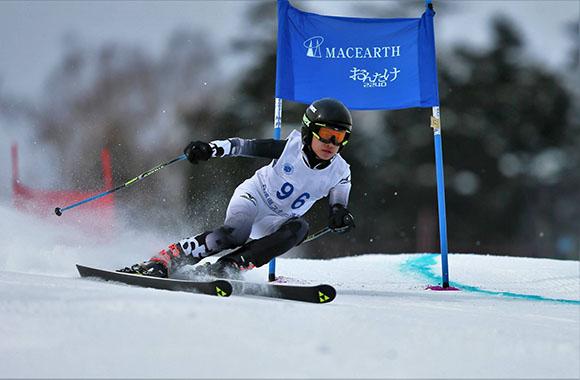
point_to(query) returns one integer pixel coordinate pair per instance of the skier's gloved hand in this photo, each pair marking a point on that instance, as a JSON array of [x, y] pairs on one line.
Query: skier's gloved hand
[[198, 151], [341, 220]]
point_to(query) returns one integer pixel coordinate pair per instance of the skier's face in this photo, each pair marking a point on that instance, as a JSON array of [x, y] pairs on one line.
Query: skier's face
[[324, 151]]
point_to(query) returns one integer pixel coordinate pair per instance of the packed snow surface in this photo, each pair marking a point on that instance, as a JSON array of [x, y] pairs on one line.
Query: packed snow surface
[[513, 318]]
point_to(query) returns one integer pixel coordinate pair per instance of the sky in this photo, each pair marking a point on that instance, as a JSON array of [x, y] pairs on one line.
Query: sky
[[33, 32]]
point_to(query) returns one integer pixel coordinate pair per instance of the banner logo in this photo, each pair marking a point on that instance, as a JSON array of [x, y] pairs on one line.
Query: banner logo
[[314, 49], [377, 79], [312, 46]]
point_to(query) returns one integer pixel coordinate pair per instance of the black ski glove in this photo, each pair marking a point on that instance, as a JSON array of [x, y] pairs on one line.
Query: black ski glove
[[197, 151], [341, 220]]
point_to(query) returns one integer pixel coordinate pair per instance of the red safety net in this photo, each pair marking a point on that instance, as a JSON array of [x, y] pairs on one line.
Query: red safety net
[[97, 216]]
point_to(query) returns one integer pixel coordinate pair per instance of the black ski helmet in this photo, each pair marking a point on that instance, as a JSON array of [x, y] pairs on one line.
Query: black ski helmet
[[325, 112]]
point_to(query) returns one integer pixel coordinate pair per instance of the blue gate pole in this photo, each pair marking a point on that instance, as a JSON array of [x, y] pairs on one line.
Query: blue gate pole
[[436, 125], [277, 135]]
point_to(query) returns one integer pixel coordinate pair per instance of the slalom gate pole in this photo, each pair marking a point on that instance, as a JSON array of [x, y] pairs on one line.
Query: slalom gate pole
[[277, 135], [436, 125], [59, 210], [437, 140]]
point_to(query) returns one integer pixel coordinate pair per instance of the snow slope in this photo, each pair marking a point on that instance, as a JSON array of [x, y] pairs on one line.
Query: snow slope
[[515, 317]]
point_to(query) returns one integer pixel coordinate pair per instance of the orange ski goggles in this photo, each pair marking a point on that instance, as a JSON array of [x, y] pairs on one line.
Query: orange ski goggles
[[329, 135]]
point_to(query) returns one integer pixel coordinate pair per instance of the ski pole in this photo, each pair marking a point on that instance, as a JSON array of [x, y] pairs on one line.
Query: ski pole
[[317, 234], [325, 230], [59, 210]]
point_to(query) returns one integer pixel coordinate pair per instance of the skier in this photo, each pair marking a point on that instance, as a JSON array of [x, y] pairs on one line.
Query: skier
[[268, 207]]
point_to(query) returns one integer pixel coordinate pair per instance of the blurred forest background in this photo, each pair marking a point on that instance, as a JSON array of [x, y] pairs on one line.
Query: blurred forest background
[[511, 137]]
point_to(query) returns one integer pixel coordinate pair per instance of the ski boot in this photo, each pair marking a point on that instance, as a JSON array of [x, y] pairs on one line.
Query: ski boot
[[147, 268], [196, 246], [226, 267], [160, 265]]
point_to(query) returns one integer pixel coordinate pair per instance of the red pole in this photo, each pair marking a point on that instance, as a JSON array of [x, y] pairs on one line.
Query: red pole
[[15, 176]]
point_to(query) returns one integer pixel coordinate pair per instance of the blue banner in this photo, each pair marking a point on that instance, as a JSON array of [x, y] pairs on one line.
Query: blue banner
[[368, 64]]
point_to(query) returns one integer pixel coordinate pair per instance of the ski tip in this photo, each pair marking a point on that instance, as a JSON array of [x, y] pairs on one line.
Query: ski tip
[[82, 270]]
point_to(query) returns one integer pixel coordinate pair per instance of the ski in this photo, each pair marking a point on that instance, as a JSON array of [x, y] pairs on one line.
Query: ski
[[220, 288], [322, 293]]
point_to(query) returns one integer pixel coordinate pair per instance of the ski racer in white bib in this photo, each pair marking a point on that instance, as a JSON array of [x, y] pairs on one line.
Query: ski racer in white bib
[[268, 207]]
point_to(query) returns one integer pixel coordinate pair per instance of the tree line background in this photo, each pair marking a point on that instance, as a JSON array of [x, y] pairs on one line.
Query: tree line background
[[511, 137]]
